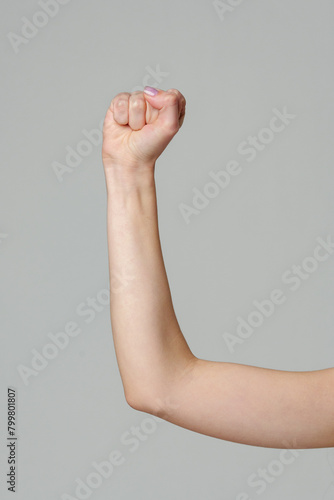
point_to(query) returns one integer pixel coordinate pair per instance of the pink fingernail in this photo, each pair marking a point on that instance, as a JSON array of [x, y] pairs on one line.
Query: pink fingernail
[[150, 91]]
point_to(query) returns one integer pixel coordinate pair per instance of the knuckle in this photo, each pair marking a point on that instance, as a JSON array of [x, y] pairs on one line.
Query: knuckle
[[173, 98], [138, 103], [124, 95], [121, 99], [175, 91], [121, 103]]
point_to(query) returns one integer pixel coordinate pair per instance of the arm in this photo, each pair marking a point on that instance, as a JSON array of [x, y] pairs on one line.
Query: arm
[[160, 374]]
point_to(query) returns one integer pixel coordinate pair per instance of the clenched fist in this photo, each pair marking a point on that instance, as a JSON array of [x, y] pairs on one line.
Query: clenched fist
[[139, 126]]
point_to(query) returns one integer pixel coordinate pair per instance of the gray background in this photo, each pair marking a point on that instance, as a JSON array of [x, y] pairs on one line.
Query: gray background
[[53, 247]]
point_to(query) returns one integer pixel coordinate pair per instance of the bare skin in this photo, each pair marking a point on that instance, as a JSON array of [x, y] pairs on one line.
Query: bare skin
[[160, 374]]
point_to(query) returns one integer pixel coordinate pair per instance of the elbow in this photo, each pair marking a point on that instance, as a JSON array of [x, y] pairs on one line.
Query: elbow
[[164, 399], [133, 401], [154, 405], [140, 402]]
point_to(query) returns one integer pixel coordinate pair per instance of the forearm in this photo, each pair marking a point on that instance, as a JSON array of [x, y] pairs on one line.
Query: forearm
[[150, 348]]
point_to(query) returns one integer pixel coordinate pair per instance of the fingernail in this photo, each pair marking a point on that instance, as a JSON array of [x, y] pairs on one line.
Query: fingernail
[[150, 91]]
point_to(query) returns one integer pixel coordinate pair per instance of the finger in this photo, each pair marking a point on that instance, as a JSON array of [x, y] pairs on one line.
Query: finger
[[171, 106], [120, 105], [182, 105], [137, 111]]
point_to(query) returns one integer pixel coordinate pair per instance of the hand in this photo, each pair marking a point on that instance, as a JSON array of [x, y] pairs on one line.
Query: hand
[[138, 127]]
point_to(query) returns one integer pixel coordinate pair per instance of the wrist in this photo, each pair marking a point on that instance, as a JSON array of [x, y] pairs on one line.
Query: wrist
[[128, 177], [130, 188]]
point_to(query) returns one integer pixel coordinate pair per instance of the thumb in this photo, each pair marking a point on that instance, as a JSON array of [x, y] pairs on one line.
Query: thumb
[[171, 107]]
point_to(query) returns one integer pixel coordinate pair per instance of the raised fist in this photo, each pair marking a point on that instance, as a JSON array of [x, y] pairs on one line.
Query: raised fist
[[138, 126]]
